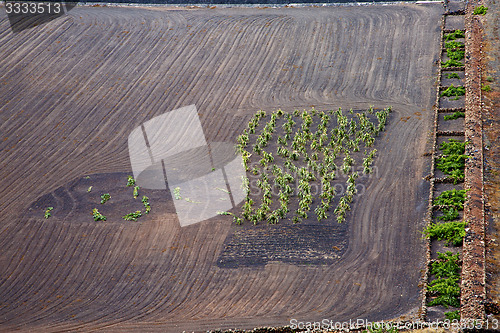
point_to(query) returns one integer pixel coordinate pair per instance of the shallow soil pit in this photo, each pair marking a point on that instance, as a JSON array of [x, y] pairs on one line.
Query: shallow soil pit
[[454, 22], [437, 213], [435, 313], [451, 124], [446, 82], [441, 187], [456, 7], [451, 102], [444, 138], [440, 246], [74, 202]]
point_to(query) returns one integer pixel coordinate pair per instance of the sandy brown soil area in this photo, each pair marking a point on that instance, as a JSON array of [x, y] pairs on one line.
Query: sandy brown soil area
[[73, 89]]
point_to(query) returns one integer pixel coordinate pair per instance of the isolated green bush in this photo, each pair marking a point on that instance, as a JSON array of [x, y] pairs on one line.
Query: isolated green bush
[[47, 212], [452, 162], [448, 291], [98, 216], [446, 266], [451, 198], [130, 181], [452, 76], [480, 10], [105, 197], [451, 232], [453, 91], [446, 285], [457, 54], [454, 115], [133, 216], [454, 35]]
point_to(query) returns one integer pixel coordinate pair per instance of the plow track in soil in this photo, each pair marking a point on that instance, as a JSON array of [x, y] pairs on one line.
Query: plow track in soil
[[73, 89]]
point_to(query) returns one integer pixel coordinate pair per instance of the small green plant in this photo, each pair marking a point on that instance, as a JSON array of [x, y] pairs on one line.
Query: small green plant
[[454, 115], [489, 78], [130, 181], [145, 201], [177, 193], [453, 91], [480, 10], [98, 216], [486, 87], [89, 189], [104, 198], [451, 63], [132, 216], [452, 315], [451, 232], [236, 219], [136, 192], [47, 212], [452, 76]]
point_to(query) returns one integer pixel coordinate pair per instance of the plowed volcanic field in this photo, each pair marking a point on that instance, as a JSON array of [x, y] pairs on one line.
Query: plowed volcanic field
[[73, 89]]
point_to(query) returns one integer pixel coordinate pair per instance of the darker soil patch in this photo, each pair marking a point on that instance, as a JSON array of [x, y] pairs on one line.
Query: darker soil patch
[[301, 244]]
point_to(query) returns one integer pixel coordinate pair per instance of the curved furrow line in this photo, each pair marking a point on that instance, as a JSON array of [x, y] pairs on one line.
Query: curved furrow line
[[227, 64], [97, 279], [188, 273], [148, 298], [27, 44], [184, 63], [260, 44], [15, 258], [194, 289], [39, 317], [30, 283], [257, 97], [255, 41], [211, 64]]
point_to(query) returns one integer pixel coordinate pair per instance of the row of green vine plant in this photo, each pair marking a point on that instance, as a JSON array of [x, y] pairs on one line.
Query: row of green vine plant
[[455, 50], [285, 153], [444, 289], [452, 159]]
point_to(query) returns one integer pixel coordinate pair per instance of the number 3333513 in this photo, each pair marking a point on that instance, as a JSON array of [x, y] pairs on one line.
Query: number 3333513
[[33, 8]]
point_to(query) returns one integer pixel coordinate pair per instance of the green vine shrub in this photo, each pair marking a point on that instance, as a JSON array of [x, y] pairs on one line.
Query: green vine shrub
[[452, 162]]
